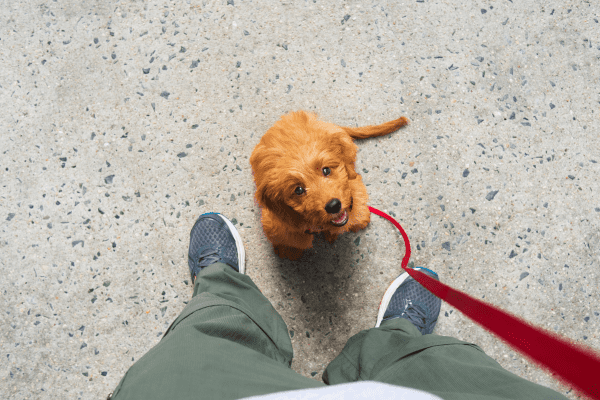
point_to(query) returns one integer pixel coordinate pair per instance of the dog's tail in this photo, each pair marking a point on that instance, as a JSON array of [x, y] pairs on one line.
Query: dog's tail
[[376, 130]]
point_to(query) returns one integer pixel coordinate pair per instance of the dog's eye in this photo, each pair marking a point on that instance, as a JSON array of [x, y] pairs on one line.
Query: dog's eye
[[326, 171], [299, 190]]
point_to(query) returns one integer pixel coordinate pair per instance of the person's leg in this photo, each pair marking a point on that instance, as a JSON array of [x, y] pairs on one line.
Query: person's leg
[[401, 350], [228, 342]]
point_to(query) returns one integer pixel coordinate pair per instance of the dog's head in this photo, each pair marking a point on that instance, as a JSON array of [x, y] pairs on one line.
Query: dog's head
[[301, 169]]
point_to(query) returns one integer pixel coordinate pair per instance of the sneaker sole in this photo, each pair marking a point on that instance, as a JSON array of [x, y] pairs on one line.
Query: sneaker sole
[[239, 244], [387, 296]]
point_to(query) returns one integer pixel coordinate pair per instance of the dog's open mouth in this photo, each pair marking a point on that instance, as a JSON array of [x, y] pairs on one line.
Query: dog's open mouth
[[341, 220]]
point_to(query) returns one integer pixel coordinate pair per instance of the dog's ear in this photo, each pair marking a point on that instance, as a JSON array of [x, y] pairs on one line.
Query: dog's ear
[[268, 187], [278, 207], [282, 210], [260, 195], [351, 171], [347, 152]]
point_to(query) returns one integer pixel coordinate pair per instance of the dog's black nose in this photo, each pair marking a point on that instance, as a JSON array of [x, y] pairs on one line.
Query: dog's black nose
[[334, 206]]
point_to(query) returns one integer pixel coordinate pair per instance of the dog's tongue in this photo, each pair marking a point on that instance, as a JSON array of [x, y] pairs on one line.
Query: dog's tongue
[[341, 218]]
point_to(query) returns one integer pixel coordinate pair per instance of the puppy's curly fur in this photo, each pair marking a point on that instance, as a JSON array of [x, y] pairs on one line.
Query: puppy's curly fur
[[306, 181]]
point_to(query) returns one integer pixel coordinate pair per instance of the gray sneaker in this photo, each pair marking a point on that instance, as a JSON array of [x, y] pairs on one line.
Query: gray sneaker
[[214, 239], [406, 298]]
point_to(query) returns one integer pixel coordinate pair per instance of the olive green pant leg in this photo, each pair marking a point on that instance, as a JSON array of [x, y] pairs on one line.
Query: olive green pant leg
[[396, 353], [228, 342]]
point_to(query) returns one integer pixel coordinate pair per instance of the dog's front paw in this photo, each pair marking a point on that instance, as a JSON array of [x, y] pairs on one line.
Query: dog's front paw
[[291, 253], [330, 237]]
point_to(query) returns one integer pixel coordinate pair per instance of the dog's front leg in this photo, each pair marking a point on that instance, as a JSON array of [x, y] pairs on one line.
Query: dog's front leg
[[291, 253], [287, 242], [292, 245], [330, 236]]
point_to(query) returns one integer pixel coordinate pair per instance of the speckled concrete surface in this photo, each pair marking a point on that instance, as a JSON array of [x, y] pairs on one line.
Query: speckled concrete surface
[[122, 122]]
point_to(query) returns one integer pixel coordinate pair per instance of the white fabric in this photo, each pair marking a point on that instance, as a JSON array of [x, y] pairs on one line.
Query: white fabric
[[351, 391]]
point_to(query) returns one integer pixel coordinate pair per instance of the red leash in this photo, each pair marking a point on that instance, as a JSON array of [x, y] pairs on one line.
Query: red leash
[[574, 365]]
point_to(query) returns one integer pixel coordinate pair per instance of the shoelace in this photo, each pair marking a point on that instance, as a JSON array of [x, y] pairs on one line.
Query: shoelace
[[416, 314], [206, 256]]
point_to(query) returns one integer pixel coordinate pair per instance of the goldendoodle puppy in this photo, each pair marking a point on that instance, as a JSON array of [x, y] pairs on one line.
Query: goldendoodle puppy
[[306, 182]]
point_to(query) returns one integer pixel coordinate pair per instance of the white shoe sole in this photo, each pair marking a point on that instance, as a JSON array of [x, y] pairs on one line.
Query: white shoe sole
[[239, 244], [387, 296]]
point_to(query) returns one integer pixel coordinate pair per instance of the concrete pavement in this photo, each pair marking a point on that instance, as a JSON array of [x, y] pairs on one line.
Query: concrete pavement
[[122, 122]]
